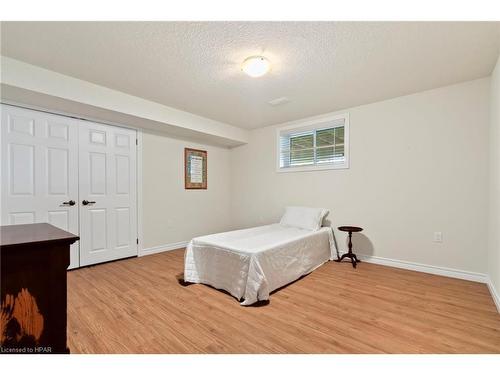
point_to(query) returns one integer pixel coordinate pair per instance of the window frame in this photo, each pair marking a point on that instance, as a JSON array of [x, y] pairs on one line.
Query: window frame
[[314, 124]]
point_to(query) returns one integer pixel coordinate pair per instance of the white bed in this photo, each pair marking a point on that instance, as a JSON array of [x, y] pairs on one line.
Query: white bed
[[251, 263]]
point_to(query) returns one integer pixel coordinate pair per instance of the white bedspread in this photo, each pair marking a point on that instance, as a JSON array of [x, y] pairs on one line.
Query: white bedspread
[[251, 263]]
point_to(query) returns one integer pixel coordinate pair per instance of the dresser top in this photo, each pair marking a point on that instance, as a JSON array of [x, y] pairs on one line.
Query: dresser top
[[33, 234]]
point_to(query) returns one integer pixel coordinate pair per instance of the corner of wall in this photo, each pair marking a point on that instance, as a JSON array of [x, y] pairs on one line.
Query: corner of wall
[[494, 187]]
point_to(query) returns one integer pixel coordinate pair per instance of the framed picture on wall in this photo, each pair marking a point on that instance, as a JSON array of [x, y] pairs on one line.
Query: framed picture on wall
[[195, 169]]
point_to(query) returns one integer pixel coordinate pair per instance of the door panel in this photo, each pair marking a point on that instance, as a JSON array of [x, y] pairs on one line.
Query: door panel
[[122, 227], [97, 175], [39, 170], [122, 174], [21, 169], [107, 170], [98, 229], [58, 173], [17, 123], [59, 219], [17, 218]]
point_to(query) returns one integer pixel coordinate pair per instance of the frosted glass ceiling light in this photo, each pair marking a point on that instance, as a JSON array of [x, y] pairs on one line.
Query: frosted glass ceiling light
[[256, 66]]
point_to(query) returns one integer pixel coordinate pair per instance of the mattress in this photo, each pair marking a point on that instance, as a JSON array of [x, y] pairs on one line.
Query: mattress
[[251, 263]]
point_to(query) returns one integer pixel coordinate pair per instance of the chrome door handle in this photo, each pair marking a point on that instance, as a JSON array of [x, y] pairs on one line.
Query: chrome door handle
[[69, 203], [86, 202]]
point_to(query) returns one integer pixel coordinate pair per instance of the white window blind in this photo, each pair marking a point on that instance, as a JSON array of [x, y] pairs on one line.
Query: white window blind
[[318, 145]]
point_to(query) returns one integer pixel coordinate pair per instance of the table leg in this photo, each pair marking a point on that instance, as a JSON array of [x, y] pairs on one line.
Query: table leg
[[350, 243], [349, 254]]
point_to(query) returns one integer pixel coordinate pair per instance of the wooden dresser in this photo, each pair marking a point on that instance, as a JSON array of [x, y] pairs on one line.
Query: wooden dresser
[[33, 263]]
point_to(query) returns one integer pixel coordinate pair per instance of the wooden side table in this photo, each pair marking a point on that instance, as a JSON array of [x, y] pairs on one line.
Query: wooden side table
[[350, 254], [33, 263]]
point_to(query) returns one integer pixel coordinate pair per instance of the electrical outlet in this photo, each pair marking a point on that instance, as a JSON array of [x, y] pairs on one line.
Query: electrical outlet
[[438, 236]]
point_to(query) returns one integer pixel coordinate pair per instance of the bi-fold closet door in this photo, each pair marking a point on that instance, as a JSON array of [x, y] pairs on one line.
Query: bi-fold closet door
[[39, 170], [108, 209], [77, 175]]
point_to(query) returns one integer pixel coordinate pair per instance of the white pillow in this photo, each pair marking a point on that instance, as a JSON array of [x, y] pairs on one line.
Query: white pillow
[[304, 217]]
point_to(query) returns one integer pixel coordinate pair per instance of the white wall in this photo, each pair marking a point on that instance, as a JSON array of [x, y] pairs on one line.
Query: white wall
[[419, 164], [171, 213], [494, 227]]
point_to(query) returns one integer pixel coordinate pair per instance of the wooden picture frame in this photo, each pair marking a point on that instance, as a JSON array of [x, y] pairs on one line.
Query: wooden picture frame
[[195, 169]]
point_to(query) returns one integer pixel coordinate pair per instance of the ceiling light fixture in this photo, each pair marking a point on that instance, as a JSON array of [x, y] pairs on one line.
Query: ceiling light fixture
[[256, 66]]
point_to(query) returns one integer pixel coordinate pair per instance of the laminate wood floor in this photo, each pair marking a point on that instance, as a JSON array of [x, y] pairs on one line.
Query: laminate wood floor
[[137, 306]]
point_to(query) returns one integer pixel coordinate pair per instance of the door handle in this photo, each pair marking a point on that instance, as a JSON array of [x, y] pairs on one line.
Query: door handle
[[69, 203], [86, 202]]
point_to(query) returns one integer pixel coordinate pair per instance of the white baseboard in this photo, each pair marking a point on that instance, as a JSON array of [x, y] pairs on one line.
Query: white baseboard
[[435, 270], [162, 248], [494, 294]]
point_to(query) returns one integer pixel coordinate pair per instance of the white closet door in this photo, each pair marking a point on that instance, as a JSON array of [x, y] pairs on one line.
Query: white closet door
[[39, 170], [107, 170]]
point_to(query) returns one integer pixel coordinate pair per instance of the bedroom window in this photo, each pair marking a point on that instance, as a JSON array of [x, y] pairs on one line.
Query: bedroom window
[[322, 144]]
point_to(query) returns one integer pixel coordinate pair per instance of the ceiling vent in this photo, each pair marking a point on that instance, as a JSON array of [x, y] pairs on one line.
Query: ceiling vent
[[279, 101]]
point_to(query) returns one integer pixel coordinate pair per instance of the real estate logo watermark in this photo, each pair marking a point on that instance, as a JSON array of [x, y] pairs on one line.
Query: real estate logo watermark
[[26, 350]]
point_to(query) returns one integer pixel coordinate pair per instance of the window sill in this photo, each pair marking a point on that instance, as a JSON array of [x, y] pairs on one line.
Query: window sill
[[311, 168]]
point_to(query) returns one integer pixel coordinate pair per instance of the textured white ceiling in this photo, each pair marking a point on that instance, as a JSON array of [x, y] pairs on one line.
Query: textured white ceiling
[[319, 66]]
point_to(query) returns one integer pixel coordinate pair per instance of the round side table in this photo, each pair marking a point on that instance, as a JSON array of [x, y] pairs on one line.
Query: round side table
[[350, 254]]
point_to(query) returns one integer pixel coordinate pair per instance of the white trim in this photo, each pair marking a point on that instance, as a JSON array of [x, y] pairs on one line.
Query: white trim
[[494, 294], [311, 168], [426, 268], [162, 248], [140, 207], [310, 123]]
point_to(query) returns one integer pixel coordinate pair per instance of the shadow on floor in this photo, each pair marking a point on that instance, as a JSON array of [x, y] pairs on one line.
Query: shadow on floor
[[180, 280]]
